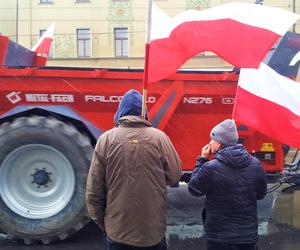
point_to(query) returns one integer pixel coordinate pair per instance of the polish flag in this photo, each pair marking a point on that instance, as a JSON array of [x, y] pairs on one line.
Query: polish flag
[[44, 43], [240, 33], [269, 103]]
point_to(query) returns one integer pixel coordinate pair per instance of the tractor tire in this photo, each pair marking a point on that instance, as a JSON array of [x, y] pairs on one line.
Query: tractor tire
[[44, 164]]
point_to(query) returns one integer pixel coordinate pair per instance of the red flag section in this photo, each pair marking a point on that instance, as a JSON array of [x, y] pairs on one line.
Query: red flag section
[[44, 44], [269, 103], [240, 33]]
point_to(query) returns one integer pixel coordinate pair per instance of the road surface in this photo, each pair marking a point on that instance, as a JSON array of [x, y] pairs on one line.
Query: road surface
[[279, 225]]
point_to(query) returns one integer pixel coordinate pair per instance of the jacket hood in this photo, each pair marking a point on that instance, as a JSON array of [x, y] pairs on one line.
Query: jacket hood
[[131, 104], [234, 156]]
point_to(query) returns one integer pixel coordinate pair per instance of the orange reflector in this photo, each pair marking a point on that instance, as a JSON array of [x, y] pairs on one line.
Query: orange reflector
[[267, 147]]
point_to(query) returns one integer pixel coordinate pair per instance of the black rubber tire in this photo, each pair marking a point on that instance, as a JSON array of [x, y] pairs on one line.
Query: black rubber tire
[[76, 148]]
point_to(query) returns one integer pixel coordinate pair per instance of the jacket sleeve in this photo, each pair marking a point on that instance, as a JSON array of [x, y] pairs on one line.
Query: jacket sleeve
[[199, 183], [261, 186], [172, 162], [96, 189]]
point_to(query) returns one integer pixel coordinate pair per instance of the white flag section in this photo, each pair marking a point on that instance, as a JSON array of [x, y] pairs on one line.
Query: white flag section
[[269, 103], [241, 33], [44, 43], [295, 59], [245, 13]]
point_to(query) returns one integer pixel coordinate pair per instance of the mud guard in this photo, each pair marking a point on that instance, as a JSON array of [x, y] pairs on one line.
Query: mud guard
[[61, 110]]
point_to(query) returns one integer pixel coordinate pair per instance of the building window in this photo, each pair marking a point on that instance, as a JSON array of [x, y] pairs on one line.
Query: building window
[[51, 51], [121, 42], [82, 1], [46, 1], [83, 43]]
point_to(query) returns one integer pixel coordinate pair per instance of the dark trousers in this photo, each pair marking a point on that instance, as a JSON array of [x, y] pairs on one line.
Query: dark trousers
[[223, 246], [110, 245]]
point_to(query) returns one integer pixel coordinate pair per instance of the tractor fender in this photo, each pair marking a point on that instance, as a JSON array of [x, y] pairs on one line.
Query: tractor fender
[[56, 110]]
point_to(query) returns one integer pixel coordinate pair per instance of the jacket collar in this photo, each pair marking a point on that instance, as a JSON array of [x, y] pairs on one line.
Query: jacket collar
[[234, 156], [133, 121]]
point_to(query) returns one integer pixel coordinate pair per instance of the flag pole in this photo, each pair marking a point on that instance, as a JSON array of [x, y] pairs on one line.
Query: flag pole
[[147, 53], [235, 102]]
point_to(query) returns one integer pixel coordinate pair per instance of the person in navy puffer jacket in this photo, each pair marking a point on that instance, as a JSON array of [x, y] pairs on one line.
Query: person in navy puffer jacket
[[232, 182]]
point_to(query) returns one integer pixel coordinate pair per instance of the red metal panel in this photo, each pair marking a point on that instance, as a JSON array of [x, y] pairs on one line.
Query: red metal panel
[[165, 107], [122, 75], [203, 100]]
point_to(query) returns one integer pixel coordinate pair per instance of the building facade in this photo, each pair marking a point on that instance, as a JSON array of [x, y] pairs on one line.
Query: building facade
[[101, 33]]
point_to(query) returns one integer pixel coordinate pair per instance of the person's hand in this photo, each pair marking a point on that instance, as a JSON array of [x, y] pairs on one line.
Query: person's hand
[[206, 151]]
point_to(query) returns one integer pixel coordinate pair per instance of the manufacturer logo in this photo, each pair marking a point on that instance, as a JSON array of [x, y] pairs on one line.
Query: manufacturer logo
[[14, 97], [49, 98], [111, 99]]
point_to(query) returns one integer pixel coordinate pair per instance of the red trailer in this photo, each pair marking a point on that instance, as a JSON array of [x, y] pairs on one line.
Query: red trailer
[[51, 117]]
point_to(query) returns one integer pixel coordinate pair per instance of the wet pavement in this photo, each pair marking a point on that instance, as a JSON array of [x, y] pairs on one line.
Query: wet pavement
[[279, 225]]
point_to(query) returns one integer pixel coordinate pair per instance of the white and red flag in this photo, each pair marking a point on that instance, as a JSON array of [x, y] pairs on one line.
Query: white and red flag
[[269, 103], [240, 33], [44, 43]]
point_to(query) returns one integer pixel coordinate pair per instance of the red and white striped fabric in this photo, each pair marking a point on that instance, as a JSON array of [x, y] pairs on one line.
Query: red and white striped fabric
[[269, 103], [241, 33], [44, 43]]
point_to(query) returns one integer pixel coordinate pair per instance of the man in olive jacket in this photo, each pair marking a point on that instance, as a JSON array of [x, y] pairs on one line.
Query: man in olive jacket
[[127, 184], [232, 182]]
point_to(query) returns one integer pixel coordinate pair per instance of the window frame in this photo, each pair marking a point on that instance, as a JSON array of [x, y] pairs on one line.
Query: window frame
[[122, 41], [85, 41], [46, 1], [82, 1]]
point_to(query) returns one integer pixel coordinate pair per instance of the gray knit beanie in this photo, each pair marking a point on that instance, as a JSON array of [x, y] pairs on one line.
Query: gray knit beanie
[[225, 133]]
